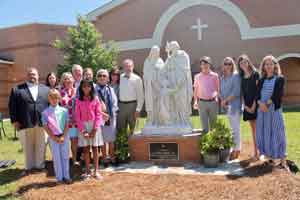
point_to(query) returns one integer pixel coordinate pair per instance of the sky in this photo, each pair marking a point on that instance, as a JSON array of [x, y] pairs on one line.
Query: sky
[[18, 12]]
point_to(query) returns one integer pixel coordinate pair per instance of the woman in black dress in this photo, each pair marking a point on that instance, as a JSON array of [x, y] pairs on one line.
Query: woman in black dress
[[249, 77]]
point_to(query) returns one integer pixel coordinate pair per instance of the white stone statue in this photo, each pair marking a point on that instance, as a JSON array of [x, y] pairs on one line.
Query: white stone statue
[[168, 92], [152, 75], [178, 71]]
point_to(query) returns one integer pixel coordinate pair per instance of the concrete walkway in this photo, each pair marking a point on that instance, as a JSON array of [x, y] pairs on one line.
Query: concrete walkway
[[229, 168]]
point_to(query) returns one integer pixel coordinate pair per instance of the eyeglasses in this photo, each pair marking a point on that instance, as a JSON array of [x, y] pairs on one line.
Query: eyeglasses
[[227, 64], [102, 76], [203, 62], [115, 74]]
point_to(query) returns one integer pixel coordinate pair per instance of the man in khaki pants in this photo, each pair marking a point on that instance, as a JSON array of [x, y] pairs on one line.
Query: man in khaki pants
[[26, 103], [131, 97]]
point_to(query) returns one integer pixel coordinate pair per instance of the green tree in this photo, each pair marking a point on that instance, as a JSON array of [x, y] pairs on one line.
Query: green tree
[[84, 46]]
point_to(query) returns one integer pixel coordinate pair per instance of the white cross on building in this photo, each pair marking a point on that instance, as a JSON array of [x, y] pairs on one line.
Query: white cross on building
[[199, 28]]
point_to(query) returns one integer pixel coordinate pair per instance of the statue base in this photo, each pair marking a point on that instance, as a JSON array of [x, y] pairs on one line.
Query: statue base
[[165, 149], [166, 131]]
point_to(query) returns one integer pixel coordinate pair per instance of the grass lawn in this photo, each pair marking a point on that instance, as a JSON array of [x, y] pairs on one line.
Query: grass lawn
[[11, 149]]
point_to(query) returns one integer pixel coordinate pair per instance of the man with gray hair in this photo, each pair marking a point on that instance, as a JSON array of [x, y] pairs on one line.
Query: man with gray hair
[[26, 103], [131, 98], [77, 72]]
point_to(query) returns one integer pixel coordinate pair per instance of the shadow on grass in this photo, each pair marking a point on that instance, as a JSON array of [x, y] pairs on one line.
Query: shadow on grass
[[291, 109], [8, 196], [9, 175], [13, 139], [252, 171], [23, 189]]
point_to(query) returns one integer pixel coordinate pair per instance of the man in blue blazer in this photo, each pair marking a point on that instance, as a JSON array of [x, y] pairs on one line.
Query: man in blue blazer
[[26, 103]]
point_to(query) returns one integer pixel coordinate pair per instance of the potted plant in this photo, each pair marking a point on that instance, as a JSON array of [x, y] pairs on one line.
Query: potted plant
[[224, 139], [209, 150]]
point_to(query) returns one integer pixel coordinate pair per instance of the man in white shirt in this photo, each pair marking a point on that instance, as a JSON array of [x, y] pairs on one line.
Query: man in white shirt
[[26, 103], [77, 72], [131, 98]]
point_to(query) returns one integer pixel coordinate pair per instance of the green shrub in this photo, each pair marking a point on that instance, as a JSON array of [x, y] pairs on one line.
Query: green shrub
[[223, 134], [219, 138], [209, 143], [121, 145]]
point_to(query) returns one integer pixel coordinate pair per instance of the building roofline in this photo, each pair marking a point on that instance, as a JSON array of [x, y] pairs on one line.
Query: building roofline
[[92, 16], [6, 62], [34, 23]]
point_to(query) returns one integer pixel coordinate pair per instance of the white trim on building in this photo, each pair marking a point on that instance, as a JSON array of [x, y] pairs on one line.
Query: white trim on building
[[246, 31], [6, 62], [105, 8], [288, 55]]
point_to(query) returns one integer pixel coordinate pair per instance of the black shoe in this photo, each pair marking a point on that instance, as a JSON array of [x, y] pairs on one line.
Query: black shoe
[[105, 164], [115, 164], [68, 181]]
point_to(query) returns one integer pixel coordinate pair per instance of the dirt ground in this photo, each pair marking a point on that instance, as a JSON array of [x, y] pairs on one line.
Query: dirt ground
[[259, 182]]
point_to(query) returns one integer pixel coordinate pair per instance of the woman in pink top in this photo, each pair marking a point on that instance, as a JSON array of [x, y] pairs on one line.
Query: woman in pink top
[[89, 118], [67, 93]]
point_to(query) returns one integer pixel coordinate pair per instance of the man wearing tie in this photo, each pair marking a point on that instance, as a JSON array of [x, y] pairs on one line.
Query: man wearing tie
[[131, 98], [26, 103]]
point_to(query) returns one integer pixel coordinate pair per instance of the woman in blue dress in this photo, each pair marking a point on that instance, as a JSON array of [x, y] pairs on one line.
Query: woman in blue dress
[[271, 139]]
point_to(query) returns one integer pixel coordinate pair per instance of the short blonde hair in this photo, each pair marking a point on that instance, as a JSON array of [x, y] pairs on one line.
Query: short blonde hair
[[54, 94], [277, 69], [233, 65], [63, 76]]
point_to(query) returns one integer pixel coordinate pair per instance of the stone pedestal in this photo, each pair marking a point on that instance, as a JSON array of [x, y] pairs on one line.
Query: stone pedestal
[[162, 149], [172, 130]]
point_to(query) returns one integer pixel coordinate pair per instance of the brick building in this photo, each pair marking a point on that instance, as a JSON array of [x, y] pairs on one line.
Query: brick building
[[217, 28], [26, 46]]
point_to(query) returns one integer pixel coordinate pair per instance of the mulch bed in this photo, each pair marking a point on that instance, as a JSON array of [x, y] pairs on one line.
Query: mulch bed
[[259, 182]]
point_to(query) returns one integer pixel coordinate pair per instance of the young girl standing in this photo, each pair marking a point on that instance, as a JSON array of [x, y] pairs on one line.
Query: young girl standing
[[89, 116], [55, 121]]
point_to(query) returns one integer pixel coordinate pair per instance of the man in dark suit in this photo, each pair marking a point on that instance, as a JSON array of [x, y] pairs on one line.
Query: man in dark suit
[[26, 103]]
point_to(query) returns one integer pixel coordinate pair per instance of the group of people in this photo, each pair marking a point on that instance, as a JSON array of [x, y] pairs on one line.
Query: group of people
[[77, 111], [240, 88], [85, 114]]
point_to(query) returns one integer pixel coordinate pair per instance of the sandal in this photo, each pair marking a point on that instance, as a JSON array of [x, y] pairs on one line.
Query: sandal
[[232, 155], [86, 176], [237, 154], [283, 165], [98, 176], [254, 159]]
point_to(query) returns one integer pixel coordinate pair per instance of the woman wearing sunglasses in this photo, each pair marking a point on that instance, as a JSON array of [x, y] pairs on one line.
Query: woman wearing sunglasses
[[231, 101]]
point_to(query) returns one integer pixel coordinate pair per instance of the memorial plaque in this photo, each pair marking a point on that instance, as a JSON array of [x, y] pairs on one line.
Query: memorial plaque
[[163, 151]]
